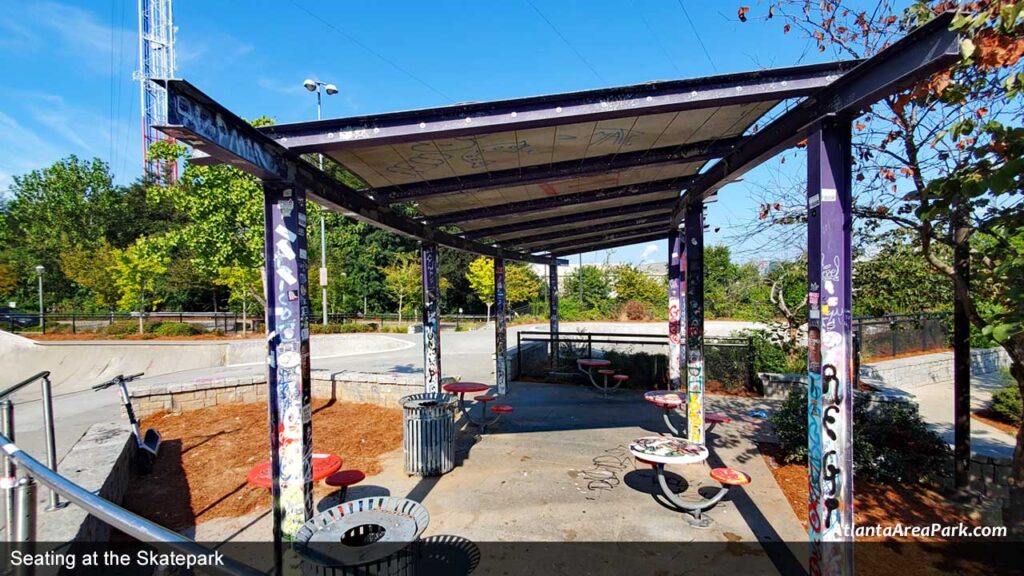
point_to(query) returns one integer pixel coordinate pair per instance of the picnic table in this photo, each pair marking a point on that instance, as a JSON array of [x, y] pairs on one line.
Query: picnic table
[[463, 388], [323, 466], [657, 451], [585, 365], [669, 401]]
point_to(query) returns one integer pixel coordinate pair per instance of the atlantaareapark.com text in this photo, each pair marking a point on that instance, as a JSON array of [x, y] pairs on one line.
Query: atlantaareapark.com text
[[936, 530]]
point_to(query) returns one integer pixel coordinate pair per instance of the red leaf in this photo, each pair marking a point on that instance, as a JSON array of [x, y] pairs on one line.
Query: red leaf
[[785, 29], [771, 11], [860, 126], [981, 112], [802, 143], [742, 13]]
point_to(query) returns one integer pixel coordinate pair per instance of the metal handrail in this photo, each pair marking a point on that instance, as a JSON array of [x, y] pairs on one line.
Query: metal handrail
[[117, 517], [12, 389]]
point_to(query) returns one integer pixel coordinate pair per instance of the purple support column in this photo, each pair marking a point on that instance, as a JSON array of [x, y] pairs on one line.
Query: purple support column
[[500, 346], [431, 318], [693, 286], [553, 312], [830, 360], [674, 311], [287, 314]]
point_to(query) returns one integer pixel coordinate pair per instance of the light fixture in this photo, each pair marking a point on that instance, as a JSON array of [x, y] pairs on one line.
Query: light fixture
[[331, 89], [309, 84]]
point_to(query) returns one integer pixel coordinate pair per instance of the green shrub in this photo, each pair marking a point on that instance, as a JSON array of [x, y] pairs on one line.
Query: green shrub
[[891, 442], [126, 327], [177, 329], [1006, 402], [335, 328], [636, 310]]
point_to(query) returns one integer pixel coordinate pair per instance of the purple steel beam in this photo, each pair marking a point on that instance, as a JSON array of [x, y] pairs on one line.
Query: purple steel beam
[[197, 120], [695, 152], [431, 318], [693, 286], [611, 244], [674, 314], [558, 109], [624, 211], [541, 204], [916, 56], [553, 312], [571, 242], [288, 382], [830, 349], [529, 242], [500, 340]]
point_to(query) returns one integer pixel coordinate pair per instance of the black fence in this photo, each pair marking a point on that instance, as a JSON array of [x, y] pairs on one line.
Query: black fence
[[728, 362], [75, 322], [895, 335]]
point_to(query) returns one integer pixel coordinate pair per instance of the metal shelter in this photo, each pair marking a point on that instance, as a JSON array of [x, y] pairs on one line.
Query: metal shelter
[[534, 179]]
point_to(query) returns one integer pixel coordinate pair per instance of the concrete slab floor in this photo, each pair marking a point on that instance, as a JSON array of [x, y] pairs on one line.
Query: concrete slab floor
[[558, 470]]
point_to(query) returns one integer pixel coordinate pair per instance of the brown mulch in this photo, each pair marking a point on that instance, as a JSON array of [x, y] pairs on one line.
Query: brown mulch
[[206, 454], [988, 416], [59, 337], [886, 505]]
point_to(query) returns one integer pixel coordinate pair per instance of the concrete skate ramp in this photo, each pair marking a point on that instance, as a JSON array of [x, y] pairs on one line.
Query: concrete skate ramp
[[77, 365]]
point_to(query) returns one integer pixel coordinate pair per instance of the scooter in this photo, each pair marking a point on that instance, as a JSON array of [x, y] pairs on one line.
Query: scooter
[[149, 444]]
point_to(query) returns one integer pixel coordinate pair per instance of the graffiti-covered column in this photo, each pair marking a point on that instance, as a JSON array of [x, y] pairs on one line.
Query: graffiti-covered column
[[287, 311], [674, 312], [500, 343], [553, 312], [431, 318], [830, 361], [693, 284]]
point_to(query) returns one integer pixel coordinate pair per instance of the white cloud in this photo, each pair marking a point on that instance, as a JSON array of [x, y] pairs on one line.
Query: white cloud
[[21, 150], [648, 250]]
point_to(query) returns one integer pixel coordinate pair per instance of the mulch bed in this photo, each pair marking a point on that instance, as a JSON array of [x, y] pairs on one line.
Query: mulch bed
[[206, 454], [988, 416], [885, 505]]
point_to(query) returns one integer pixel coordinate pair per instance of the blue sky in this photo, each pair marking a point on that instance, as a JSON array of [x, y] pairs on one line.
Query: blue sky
[[67, 66]]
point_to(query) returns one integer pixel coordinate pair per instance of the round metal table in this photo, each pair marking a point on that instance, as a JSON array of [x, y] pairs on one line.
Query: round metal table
[[668, 401], [323, 466], [463, 388]]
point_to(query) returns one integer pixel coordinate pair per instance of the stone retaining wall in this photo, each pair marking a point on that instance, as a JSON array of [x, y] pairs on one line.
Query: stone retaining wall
[[992, 477], [102, 462]]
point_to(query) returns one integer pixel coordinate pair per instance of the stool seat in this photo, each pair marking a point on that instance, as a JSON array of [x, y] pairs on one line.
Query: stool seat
[[502, 409], [606, 372], [345, 478], [716, 418], [484, 398], [621, 377], [729, 476]]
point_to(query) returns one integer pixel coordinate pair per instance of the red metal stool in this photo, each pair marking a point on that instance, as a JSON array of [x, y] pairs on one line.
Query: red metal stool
[[483, 399], [713, 418], [729, 476], [343, 480], [498, 410]]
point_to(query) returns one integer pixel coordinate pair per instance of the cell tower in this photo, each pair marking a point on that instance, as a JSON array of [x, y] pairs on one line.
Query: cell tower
[[156, 62]]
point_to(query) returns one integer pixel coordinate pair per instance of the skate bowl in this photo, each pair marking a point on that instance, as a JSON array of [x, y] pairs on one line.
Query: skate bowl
[[77, 365]]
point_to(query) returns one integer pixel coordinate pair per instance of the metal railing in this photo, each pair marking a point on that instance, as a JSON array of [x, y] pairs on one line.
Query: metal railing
[[104, 510], [7, 428], [76, 322], [896, 334]]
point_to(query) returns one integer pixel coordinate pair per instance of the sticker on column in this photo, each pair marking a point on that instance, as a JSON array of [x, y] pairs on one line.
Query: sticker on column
[[814, 201], [282, 230], [287, 276], [285, 249], [829, 195]]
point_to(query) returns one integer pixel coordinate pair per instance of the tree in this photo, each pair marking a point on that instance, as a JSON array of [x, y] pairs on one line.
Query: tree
[[596, 287], [898, 280], [402, 279], [521, 283], [632, 284], [940, 161], [135, 272], [90, 268]]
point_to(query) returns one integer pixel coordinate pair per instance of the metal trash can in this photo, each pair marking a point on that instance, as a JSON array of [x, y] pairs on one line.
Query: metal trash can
[[428, 433], [369, 536]]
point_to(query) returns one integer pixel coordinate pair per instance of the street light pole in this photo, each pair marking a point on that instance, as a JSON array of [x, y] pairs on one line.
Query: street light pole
[[39, 273], [331, 89]]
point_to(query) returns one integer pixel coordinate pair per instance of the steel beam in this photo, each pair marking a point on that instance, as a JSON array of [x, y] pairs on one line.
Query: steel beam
[[541, 173], [570, 242], [624, 211], [500, 340], [582, 248], [541, 204], [916, 56], [693, 285], [553, 313], [528, 242], [288, 382], [674, 313], [830, 350], [431, 318], [197, 120], [544, 111]]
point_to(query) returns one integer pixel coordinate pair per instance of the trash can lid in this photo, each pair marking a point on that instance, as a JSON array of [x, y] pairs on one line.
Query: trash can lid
[[427, 400], [361, 531]]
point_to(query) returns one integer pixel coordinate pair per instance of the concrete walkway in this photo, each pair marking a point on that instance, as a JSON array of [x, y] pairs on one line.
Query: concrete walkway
[[558, 470]]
